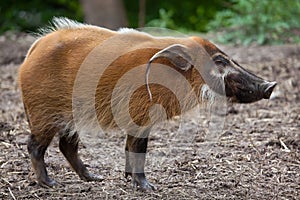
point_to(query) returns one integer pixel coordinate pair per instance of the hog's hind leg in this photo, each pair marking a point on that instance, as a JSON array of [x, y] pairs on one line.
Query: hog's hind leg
[[37, 145], [68, 145]]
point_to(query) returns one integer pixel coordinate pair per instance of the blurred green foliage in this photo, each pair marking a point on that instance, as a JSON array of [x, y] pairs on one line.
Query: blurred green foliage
[[261, 22], [20, 15], [176, 14], [235, 21]]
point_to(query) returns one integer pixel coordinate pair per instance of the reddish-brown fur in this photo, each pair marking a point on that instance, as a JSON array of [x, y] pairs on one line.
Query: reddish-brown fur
[[47, 77]]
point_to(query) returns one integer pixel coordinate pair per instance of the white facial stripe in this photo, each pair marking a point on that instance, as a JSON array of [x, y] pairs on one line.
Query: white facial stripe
[[223, 71], [220, 54]]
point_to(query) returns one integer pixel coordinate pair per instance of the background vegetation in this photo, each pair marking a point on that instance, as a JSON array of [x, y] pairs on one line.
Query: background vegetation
[[236, 21], [260, 21], [20, 15]]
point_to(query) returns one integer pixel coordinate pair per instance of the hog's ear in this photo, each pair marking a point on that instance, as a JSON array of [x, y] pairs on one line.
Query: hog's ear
[[177, 54]]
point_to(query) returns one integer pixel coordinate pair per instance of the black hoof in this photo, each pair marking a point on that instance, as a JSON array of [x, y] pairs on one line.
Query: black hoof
[[49, 183], [141, 183], [145, 187], [91, 177]]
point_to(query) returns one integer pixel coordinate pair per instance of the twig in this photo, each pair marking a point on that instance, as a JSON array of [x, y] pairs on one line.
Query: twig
[[123, 190], [6, 181], [7, 145], [11, 194], [286, 149], [253, 145]]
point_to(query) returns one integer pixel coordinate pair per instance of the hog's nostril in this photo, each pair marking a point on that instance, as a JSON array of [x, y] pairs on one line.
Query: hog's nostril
[[269, 89]]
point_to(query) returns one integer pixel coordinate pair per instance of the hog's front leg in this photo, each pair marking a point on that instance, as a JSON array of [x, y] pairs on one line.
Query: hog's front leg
[[135, 151]]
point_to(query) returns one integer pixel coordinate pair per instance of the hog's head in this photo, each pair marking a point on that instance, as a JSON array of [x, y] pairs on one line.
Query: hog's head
[[241, 85]]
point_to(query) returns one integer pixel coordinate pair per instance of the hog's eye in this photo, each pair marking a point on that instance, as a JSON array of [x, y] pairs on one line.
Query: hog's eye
[[221, 61]]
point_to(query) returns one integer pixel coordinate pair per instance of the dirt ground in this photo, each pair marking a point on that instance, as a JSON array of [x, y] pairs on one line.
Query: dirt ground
[[256, 156]]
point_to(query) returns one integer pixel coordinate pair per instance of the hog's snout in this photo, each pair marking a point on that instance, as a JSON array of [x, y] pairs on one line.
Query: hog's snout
[[267, 89], [245, 87]]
